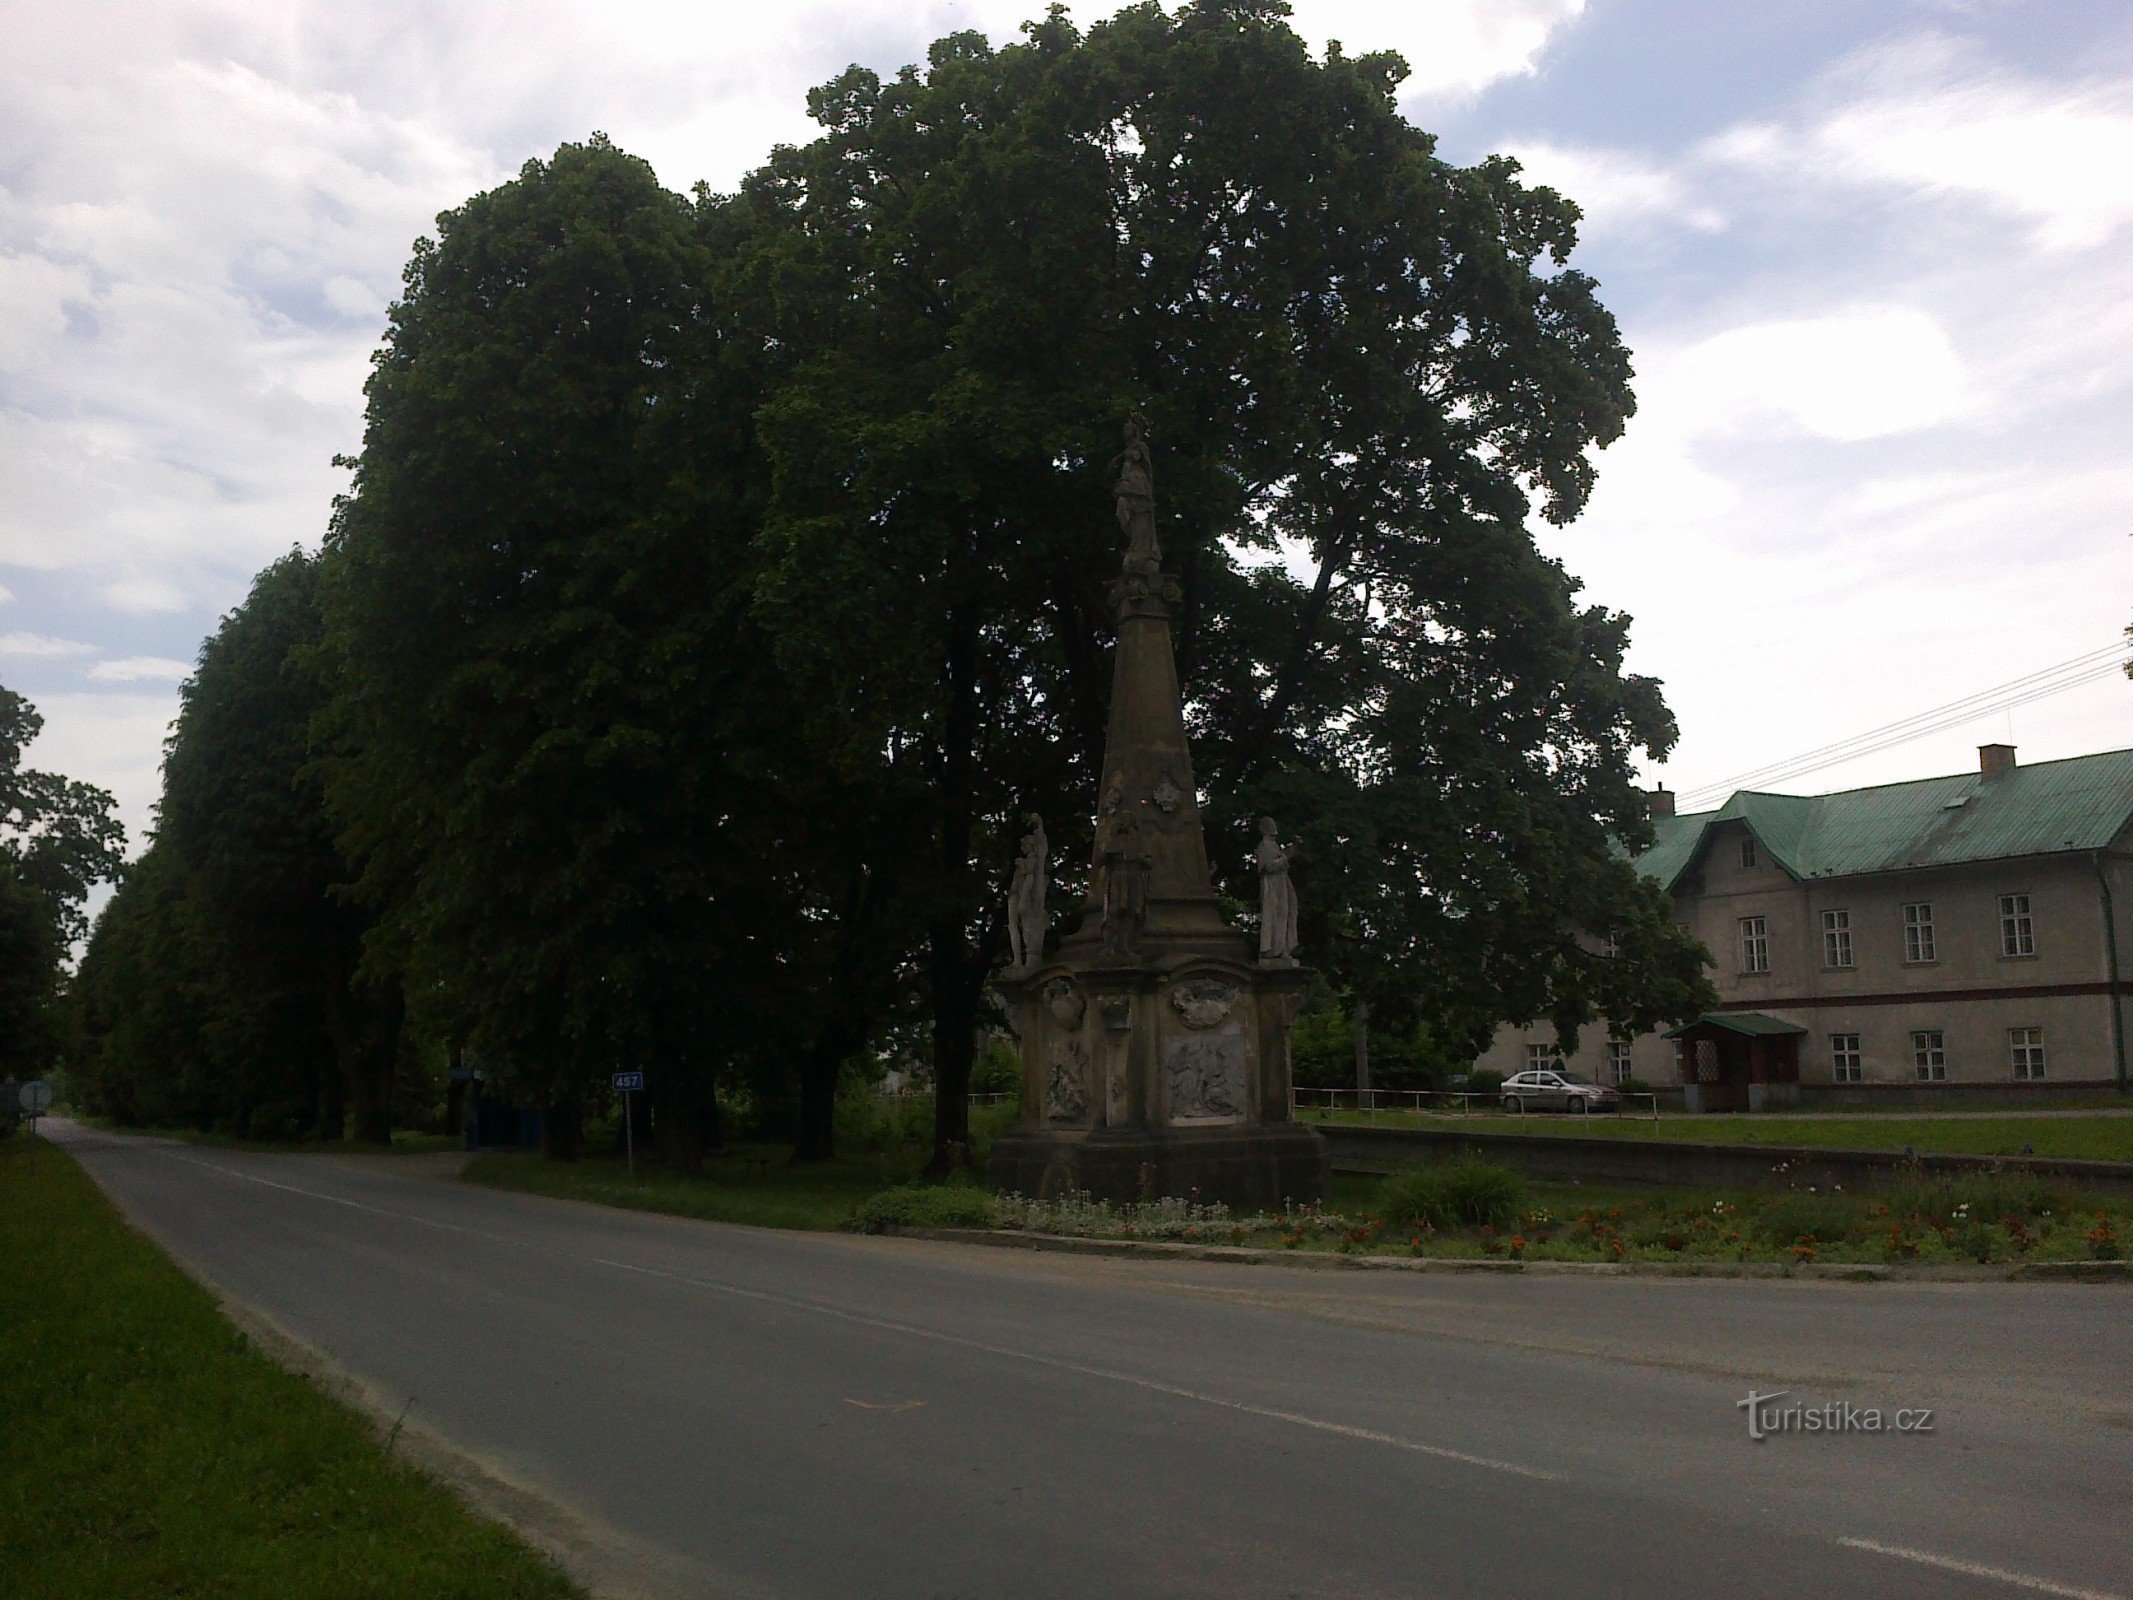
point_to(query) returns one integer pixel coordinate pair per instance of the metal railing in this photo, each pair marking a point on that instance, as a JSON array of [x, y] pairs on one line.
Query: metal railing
[[1442, 1102]]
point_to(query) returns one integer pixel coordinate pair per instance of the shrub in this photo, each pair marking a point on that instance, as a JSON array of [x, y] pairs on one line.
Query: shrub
[[921, 1205], [1994, 1197], [870, 1122], [1482, 1194], [1486, 1081], [1414, 1199], [1813, 1218], [998, 1070]]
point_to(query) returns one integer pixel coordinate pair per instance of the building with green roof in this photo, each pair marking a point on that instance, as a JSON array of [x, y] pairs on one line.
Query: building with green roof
[[1929, 939]]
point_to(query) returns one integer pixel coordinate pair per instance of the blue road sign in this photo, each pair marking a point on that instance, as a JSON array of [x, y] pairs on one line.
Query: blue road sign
[[629, 1080]]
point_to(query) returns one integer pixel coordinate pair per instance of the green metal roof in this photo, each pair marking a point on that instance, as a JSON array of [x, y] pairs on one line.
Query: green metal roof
[[2082, 803], [1752, 1023]]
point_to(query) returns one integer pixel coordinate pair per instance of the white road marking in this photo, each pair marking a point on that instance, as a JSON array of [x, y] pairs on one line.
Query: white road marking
[[1106, 1374], [913, 1330], [1971, 1569]]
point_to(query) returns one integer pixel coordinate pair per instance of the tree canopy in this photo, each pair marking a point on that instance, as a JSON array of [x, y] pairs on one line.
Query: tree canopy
[[722, 575], [59, 838]]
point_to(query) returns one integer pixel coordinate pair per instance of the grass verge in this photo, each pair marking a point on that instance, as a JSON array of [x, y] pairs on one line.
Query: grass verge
[[146, 1448], [757, 1184], [2098, 1138]]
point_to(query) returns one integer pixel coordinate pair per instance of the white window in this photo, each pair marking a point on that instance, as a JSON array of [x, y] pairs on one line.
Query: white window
[[2025, 1048], [1754, 945], [1618, 1060], [2018, 937], [1747, 852], [1918, 932], [1611, 947], [1844, 1063], [1929, 1056], [1836, 938], [1540, 1057]]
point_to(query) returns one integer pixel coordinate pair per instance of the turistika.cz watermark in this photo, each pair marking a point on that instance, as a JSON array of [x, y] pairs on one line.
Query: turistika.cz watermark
[[1766, 1417]]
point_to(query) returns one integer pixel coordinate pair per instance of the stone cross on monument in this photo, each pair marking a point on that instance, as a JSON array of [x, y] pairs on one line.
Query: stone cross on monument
[[1155, 1038]]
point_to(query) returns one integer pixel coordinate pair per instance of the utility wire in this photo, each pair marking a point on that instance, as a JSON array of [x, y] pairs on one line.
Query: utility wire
[[2089, 667]]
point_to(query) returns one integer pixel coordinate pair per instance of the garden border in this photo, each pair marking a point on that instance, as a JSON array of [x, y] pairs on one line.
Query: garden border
[[1336, 1261]]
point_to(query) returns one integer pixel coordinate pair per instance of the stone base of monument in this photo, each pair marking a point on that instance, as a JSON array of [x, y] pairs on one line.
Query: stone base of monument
[[1247, 1169]]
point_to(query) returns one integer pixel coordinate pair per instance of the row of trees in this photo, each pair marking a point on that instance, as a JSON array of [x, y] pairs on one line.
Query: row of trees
[[58, 840], [722, 575]]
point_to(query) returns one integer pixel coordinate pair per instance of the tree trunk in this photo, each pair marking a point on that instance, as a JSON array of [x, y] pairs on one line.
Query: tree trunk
[[957, 975], [1359, 1025], [816, 1137], [562, 1126], [958, 982], [376, 1070], [335, 1006], [685, 1124]]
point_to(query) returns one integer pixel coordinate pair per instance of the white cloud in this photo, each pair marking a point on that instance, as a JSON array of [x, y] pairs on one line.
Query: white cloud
[[37, 644], [1617, 190], [135, 669], [113, 740], [1855, 374], [1452, 48], [1931, 116]]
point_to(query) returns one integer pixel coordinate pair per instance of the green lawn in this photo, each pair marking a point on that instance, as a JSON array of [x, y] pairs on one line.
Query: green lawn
[[146, 1448], [754, 1183], [2087, 1138]]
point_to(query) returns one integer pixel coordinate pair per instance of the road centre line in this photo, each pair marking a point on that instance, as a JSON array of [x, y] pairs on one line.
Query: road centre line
[[2018, 1580], [913, 1330], [1972, 1569], [1106, 1374]]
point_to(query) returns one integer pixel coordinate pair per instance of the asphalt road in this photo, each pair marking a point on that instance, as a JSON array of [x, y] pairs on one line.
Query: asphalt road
[[735, 1411]]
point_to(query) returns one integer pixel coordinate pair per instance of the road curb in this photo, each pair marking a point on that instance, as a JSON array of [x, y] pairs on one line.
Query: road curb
[[1324, 1261]]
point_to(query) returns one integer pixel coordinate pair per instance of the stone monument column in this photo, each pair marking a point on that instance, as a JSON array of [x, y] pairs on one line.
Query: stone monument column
[[1155, 1040]]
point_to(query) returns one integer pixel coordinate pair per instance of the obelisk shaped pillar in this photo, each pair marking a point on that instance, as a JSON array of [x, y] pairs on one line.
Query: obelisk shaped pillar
[[1151, 853]]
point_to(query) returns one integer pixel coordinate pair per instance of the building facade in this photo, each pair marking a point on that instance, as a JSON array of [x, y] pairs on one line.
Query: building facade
[[1917, 940]]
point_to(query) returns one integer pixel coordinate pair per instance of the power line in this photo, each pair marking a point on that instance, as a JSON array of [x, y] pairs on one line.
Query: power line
[[2089, 667]]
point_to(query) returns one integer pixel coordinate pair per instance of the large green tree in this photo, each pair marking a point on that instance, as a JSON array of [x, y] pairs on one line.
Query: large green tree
[[221, 988], [1364, 370], [59, 838], [569, 768]]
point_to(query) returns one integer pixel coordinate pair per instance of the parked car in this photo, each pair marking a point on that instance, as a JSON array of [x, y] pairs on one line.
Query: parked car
[[1556, 1090]]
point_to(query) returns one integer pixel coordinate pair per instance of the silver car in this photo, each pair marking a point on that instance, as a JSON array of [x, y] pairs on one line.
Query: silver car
[[1554, 1089]]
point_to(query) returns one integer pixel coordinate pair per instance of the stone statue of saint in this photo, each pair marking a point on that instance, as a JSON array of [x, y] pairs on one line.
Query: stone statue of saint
[[1126, 860], [1136, 504], [1277, 899], [1027, 920]]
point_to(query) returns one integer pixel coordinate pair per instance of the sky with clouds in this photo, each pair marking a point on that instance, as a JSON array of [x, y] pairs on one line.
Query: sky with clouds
[[1871, 261]]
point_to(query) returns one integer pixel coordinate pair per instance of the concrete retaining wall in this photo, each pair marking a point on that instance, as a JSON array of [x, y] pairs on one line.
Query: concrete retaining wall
[[1564, 1159]]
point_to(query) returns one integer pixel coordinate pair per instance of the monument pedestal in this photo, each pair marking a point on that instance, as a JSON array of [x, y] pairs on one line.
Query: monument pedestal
[[1246, 1169], [1166, 1077], [1155, 1041]]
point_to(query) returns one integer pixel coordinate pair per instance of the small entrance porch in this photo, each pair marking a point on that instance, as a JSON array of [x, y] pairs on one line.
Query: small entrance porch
[[1738, 1061]]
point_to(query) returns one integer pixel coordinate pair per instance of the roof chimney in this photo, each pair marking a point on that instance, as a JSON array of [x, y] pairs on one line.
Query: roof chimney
[[1995, 760], [1662, 802]]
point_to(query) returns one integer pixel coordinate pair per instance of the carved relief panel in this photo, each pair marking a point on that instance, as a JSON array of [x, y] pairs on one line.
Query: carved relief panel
[[1066, 1057], [1207, 1058]]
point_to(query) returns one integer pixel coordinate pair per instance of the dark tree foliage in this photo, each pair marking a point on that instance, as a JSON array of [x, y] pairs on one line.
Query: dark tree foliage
[[567, 766], [58, 840], [1363, 370], [722, 576], [237, 922]]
